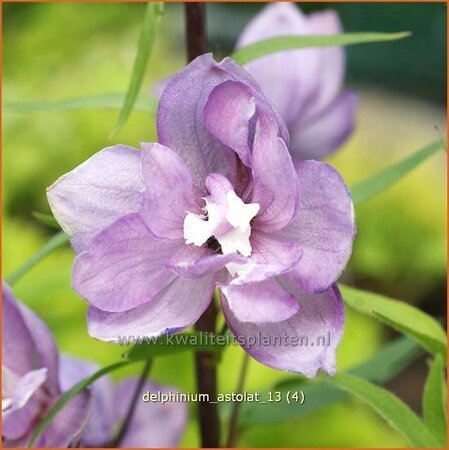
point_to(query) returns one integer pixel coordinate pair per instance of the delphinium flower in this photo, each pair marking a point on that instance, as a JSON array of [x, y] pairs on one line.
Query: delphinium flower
[[217, 202], [152, 424], [30, 382], [305, 85]]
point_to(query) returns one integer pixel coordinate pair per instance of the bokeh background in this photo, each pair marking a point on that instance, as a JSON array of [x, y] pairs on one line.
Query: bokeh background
[[57, 51]]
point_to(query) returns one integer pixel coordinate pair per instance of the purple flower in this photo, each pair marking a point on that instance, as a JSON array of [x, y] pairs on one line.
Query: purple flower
[[30, 383], [304, 85], [216, 202], [153, 424]]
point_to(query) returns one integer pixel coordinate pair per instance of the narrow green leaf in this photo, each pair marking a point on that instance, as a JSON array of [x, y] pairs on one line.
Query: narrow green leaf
[[390, 407], [366, 189], [46, 219], [178, 343], [246, 54], [58, 240], [382, 367], [434, 401], [71, 393], [151, 19], [114, 100], [403, 317]]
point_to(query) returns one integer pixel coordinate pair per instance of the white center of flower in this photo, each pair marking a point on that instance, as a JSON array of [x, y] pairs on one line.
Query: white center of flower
[[230, 225]]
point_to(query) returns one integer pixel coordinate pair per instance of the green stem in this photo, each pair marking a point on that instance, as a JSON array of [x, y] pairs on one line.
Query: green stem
[[58, 240]]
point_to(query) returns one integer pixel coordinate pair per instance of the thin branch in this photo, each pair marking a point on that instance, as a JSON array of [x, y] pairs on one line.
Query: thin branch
[[233, 423]]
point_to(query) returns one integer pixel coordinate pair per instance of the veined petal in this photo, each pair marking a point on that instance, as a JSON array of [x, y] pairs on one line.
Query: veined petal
[[196, 262], [176, 308], [123, 266], [97, 192], [323, 227], [275, 179], [169, 192], [327, 131], [153, 424], [304, 343], [180, 118], [263, 302]]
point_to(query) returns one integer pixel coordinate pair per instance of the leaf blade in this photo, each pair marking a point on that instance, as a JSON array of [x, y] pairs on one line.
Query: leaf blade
[[434, 400], [250, 52], [373, 185], [112, 100], [380, 368], [153, 13], [403, 317], [390, 407]]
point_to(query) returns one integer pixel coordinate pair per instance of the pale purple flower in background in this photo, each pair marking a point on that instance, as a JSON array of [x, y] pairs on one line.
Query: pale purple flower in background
[[153, 424], [30, 382], [305, 85], [218, 202]]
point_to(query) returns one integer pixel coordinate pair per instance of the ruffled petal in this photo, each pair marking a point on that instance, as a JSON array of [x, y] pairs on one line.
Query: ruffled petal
[[270, 257], [154, 424], [196, 262], [123, 266], [180, 118], [263, 302], [169, 192], [97, 192], [324, 227], [326, 132], [176, 308], [304, 343], [275, 179]]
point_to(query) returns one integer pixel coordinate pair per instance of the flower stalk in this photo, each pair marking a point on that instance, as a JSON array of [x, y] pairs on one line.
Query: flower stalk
[[206, 371]]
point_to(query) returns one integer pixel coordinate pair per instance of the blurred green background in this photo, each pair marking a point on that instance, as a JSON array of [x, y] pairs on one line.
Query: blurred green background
[[56, 51]]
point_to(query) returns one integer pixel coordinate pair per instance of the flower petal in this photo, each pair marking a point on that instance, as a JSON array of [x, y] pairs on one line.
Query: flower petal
[[100, 428], [289, 79], [68, 425], [324, 133], [97, 192], [263, 302], [323, 227], [177, 307], [19, 350], [123, 266], [169, 191], [180, 120], [304, 343], [227, 114], [270, 257], [275, 179], [196, 262], [154, 424]]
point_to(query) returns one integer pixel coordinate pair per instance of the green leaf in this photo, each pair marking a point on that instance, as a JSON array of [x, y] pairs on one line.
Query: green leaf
[[71, 393], [403, 317], [151, 19], [382, 367], [183, 342], [390, 407], [246, 54], [366, 189], [46, 219], [58, 240], [434, 401], [144, 102]]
